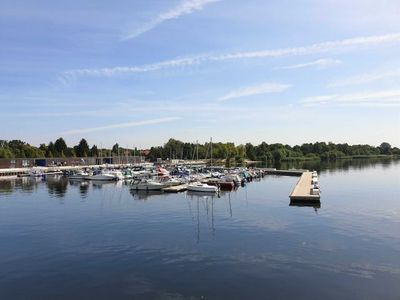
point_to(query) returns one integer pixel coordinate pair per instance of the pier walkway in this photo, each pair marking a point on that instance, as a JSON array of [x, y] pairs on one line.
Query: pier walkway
[[303, 189]]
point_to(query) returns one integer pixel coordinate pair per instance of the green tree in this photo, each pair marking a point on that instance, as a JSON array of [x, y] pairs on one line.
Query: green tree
[[115, 149], [94, 152], [278, 154], [385, 148], [51, 150], [60, 146], [82, 150]]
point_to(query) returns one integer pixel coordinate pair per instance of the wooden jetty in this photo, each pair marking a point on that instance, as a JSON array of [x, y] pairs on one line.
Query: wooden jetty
[[303, 189], [175, 188]]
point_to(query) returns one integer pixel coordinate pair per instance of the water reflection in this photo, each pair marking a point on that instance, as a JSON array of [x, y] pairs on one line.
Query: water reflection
[[83, 186], [57, 185], [6, 186], [314, 204], [98, 184], [340, 164], [144, 195], [202, 202]]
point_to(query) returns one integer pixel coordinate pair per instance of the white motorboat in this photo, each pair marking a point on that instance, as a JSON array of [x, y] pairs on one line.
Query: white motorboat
[[169, 181], [147, 185], [79, 175], [36, 172], [201, 187], [117, 174], [104, 176], [232, 177]]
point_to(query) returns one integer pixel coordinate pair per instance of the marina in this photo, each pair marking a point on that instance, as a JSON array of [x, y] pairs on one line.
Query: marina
[[200, 150], [174, 179]]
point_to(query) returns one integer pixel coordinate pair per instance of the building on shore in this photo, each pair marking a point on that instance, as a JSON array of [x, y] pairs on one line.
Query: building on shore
[[12, 163]]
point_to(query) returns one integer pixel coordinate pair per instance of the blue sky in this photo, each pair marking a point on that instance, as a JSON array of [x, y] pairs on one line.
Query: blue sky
[[139, 72]]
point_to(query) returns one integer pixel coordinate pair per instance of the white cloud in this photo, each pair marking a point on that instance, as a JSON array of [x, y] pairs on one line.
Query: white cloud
[[180, 62], [264, 88], [365, 78], [373, 98], [356, 43], [319, 63], [185, 8], [120, 125], [339, 45]]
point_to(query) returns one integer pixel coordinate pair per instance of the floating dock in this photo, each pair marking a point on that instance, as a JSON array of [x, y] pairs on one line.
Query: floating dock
[[175, 188], [303, 190]]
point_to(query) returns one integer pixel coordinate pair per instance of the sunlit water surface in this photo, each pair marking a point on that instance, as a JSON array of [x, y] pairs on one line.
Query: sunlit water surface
[[62, 239]]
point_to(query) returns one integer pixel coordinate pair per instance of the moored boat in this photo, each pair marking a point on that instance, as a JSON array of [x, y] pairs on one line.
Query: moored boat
[[147, 185], [201, 187], [79, 175], [104, 176]]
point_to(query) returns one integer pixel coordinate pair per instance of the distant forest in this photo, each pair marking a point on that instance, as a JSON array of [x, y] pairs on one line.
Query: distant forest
[[59, 148], [175, 149]]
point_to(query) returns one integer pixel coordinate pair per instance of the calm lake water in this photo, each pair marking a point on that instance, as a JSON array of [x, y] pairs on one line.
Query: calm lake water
[[67, 240]]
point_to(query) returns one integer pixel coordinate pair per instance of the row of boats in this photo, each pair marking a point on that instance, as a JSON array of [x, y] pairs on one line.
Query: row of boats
[[152, 178]]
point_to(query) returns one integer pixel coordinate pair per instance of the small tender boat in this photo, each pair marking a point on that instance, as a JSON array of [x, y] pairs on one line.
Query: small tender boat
[[201, 187]]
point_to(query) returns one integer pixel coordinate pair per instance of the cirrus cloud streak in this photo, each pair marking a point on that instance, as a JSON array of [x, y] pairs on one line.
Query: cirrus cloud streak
[[121, 125], [383, 98], [264, 88], [355, 43], [185, 8]]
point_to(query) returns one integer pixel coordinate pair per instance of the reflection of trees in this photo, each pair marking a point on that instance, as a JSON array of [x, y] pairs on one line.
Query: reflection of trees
[[6, 186], [83, 189], [83, 186], [29, 184], [144, 195], [339, 164], [57, 186]]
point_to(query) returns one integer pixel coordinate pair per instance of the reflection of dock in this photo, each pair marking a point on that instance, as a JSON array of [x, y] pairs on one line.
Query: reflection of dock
[[315, 204], [303, 189], [294, 172], [176, 188]]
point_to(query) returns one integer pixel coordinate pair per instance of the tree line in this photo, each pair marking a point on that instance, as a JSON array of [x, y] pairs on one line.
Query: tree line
[[58, 148], [175, 149]]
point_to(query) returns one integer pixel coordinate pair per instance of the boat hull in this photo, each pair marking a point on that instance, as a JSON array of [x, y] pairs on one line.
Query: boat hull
[[206, 189], [103, 178]]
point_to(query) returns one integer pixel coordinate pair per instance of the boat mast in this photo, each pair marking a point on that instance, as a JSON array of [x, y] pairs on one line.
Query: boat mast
[[211, 151], [119, 157], [197, 150], [126, 154]]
